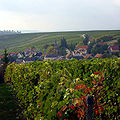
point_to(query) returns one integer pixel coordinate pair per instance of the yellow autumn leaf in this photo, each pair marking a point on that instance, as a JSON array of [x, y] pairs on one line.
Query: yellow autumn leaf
[[71, 90], [92, 75], [77, 79]]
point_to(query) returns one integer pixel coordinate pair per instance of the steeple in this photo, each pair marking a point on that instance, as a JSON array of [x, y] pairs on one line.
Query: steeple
[[56, 48]]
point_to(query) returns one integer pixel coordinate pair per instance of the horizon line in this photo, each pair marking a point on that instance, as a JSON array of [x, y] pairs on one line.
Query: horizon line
[[38, 31]]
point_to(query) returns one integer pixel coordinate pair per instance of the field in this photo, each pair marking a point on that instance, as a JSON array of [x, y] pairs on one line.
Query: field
[[19, 42]]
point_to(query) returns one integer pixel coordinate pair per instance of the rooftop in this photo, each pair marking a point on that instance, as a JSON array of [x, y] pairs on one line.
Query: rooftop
[[98, 55], [1, 56], [82, 46], [114, 47]]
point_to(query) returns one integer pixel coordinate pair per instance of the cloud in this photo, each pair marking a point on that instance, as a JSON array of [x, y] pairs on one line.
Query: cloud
[[33, 6], [117, 2], [14, 21], [51, 15]]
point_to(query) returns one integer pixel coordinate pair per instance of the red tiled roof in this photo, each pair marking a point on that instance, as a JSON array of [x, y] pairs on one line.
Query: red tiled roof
[[102, 43], [98, 55], [1, 56], [87, 56], [43, 55], [114, 47], [82, 46], [14, 53], [114, 51]]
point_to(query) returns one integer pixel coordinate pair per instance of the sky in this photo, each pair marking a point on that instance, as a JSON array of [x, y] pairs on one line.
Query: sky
[[59, 15]]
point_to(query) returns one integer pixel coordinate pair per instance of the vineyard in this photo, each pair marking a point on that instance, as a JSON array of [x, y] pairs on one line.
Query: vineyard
[[19, 42], [58, 90]]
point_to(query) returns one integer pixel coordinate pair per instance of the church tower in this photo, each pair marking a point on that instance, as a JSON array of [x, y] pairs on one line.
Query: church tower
[[55, 44], [56, 48]]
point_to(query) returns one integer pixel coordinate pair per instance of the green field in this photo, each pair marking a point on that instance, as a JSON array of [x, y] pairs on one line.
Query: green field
[[21, 41]]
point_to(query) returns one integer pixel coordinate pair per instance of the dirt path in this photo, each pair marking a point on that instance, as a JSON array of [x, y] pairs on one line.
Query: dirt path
[[28, 41], [39, 37]]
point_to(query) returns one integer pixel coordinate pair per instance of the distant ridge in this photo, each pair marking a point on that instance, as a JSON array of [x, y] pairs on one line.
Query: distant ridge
[[9, 32]]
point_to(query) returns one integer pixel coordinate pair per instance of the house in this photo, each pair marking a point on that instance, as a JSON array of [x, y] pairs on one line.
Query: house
[[28, 52], [113, 50], [88, 56], [30, 59], [101, 44], [33, 49], [1, 56], [83, 35], [67, 51], [19, 61], [19, 55], [82, 47], [43, 56], [81, 50], [76, 53], [61, 58], [98, 56], [12, 54], [68, 56], [50, 57], [38, 54]]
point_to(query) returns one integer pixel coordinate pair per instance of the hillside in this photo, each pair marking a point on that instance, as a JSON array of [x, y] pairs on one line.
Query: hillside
[[18, 42]]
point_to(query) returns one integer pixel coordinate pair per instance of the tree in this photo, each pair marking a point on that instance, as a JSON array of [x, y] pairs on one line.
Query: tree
[[3, 67], [5, 58], [105, 39], [72, 46], [45, 46], [119, 42], [12, 58], [86, 40], [62, 47], [52, 50], [62, 51], [90, 46], [101, 49], [63, 43]]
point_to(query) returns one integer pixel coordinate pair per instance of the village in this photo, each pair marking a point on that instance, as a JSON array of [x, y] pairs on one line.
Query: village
[[80, 52]]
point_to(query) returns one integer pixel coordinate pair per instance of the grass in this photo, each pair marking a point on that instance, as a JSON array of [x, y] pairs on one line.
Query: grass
[[21, 41], [9, 108]]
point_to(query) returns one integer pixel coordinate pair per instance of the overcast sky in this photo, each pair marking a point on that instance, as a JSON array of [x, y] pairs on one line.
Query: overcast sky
[[59, 15]]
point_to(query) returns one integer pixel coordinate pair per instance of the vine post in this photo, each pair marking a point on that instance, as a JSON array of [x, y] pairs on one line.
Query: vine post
[[90, 107]]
